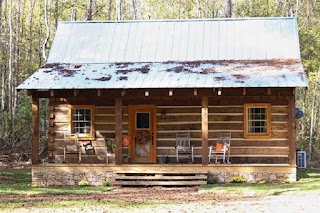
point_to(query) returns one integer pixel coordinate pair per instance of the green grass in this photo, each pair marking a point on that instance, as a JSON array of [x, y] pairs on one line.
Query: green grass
[[18, 181], [308, 179]]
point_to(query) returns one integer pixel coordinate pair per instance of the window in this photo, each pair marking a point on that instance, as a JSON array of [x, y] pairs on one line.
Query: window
[[143, 120], [82, 121], [257, 121]]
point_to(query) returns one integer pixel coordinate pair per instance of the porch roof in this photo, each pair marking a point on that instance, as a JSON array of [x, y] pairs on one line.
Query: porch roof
[[195, 74]]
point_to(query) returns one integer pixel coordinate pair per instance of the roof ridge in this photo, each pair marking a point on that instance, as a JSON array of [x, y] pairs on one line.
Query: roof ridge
[[177, 20]]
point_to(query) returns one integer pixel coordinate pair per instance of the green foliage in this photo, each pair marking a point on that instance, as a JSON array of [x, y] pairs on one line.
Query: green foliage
[[237, 179], [262, 182], [106, 183], [84, 183], [286, 181], [29, 33], [126, 156]]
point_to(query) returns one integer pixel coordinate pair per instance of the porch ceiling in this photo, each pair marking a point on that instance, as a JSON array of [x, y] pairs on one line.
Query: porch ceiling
[[171, 74]]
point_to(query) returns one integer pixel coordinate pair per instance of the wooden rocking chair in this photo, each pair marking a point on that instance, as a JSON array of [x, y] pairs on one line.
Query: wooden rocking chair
[[183, 147], [71, 148]]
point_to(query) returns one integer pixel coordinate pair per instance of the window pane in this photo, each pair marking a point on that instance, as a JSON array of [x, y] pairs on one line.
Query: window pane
[[81, 121], [257, 120], [143, 120]]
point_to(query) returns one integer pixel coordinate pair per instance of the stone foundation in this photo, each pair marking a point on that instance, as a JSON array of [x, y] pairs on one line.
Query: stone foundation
[[251, 177], [96, 175]]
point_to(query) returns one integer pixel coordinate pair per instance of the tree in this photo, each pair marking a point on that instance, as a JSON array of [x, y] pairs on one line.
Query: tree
[[227, 9]]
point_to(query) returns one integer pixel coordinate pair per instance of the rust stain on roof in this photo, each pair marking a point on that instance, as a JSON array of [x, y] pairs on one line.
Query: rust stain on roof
[[143, 69], [240, 76], [104, 78], [67, 72]]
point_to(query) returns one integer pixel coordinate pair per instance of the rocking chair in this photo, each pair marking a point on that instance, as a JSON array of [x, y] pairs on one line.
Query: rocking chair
[[71, 148], [183, 147], [222, 148]]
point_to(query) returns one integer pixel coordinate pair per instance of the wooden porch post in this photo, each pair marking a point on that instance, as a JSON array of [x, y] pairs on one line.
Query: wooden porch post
[[118, 129], [35, 130], [291, 130], [204, 128]]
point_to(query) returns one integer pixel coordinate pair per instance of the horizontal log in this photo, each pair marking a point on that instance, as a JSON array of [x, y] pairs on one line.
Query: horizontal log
[[259, 151], [161, 177], [237, 143], [279, 109], [226, 109]]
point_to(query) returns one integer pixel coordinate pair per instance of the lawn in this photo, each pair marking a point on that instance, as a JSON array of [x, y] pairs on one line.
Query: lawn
[[16, 193], [308, 179], [18, 181]]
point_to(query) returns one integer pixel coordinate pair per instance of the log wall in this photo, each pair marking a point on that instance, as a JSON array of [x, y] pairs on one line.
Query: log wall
[[183, 114]]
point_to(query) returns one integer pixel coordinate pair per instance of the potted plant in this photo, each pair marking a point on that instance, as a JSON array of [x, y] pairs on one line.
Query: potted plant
[[162, 159], [125, 158]]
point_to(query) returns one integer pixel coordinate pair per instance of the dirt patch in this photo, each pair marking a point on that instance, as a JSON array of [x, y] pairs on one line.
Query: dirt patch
[[167, 199]]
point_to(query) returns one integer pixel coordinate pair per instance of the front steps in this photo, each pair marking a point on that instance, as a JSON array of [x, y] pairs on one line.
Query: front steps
[[160, 179]]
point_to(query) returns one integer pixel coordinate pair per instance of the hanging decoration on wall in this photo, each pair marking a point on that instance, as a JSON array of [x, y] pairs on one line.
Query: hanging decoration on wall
[[125, 140]]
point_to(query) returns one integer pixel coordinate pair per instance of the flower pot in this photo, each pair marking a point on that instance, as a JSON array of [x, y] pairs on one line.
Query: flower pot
[[162, 159], [125, 160]]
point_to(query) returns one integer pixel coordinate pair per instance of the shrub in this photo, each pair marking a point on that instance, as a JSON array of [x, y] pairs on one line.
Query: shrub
[[106, 183], [262, 182], [237, 179], [286, 181], [84, 183], [34, 185]]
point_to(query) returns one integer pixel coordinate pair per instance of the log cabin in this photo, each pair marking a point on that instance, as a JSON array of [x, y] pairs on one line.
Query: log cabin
[[127, 88]]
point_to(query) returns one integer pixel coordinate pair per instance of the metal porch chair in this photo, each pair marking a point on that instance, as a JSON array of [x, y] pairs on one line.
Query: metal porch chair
[[221, 151], [183, 147]]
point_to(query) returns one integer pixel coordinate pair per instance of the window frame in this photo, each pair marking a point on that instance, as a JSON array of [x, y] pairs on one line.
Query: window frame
[[248, 135], [88, 136]]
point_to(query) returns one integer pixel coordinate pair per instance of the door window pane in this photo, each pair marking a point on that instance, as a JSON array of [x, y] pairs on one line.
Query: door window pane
[[143, 120]]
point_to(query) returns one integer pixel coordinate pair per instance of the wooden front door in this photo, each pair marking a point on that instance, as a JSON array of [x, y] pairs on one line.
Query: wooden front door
[[142, 127]]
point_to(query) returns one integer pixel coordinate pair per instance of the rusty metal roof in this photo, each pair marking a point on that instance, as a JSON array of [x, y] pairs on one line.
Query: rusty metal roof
[[175, 40], [195, 74], [209, 53]]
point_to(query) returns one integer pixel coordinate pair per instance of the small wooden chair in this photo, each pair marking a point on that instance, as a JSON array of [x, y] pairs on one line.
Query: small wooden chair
[[183, 147], [71, 148], [222, 148]]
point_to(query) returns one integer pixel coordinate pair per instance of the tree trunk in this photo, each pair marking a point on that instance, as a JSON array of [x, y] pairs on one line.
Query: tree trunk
[[46, 21], [89, 10], [31, 9], [73, 13], [118, 9], [227, 9], [56, 14], [110, 9], [2, 83], [10, 74], [199, 9], [134, 7], [312, 116]]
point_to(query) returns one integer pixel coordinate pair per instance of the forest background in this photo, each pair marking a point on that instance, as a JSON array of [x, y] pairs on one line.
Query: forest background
[[28, 27]]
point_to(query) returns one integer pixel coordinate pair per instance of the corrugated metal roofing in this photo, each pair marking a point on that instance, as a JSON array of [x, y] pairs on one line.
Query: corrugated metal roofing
[[197, 74], [175, 40], [211, 53]]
